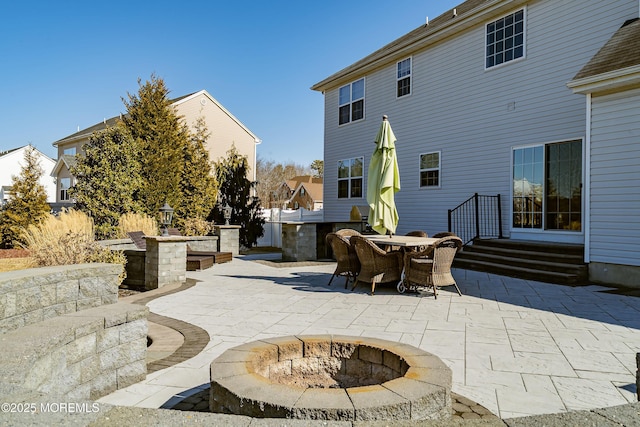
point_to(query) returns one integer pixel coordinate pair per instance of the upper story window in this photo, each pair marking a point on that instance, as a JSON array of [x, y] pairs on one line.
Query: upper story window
[[505, 39], [350, 178], [70, 151], [65, 184], [351, 102], [403, 76], [302, 192], [430, 169]]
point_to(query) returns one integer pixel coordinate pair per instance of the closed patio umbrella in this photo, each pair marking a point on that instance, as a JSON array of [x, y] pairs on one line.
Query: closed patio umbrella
[[383, 181]]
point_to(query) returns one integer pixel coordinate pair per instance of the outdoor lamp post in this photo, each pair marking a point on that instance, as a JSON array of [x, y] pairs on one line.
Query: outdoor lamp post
[[227, 214], [166, 215]]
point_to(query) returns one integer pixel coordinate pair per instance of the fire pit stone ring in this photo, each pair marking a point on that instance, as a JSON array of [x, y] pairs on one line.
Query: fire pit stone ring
[[330, 377]]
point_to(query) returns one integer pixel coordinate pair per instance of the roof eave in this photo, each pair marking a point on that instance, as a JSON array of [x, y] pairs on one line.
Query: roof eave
[[618, 79], [401, 48]]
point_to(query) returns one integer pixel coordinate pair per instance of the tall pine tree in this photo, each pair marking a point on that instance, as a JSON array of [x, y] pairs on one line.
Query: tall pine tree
[[108, 179], [28, 204], [198, 186], [236, 191], [162, 137]]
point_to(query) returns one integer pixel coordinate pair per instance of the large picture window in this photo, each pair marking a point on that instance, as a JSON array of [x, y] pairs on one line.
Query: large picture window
[[430, 169], [404, 77], [505, 39], [350, 173], [351, 102]]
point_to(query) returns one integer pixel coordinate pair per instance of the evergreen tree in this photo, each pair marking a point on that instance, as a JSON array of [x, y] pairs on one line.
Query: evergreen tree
[[108, 179], [198, 185], [28, 204], [162, 138], [235, 191]]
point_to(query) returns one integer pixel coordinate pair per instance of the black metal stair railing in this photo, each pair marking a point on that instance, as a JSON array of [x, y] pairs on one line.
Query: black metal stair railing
[[477, 217]]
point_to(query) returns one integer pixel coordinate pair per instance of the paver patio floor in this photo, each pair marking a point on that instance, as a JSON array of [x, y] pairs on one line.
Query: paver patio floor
[[517, 347]]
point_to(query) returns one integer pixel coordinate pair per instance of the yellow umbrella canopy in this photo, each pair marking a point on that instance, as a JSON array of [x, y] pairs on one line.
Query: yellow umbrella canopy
[[383, 181]]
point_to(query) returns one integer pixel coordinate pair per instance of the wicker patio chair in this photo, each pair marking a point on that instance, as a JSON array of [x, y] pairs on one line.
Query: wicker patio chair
[[433, 266], [376, 265], [444, 234], [348, 263], [348, 232]]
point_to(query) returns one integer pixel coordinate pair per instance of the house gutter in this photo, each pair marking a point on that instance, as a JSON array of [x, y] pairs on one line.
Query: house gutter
[[404, 46]]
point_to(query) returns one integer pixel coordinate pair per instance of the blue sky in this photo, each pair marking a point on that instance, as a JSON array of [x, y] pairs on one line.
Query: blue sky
[[68, 64]]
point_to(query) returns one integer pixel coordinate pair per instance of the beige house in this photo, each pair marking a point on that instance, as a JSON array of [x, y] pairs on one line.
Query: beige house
[[225, 130]]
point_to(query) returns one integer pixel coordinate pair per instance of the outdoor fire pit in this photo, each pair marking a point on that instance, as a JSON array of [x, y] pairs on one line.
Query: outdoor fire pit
[[329, 377]]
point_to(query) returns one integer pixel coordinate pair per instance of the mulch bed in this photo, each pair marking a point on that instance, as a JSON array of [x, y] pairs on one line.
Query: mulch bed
[[14, 253]]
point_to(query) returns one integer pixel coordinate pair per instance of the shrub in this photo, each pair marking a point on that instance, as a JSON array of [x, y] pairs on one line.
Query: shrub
[[197, 227], [137, 222], [68, 239]]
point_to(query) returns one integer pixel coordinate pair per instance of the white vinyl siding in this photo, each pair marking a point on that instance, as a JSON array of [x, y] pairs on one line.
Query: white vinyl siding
[[615, 179], [473, 117]]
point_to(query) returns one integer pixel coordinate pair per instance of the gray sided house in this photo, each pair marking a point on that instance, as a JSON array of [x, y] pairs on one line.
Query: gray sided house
[[489, 98]]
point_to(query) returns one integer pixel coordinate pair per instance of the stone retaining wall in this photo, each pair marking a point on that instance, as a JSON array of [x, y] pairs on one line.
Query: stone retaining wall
[[83, 355], [63, 333], [32, 295]]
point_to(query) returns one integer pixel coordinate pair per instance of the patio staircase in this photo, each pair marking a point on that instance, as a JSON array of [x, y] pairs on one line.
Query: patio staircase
[[541, 261]]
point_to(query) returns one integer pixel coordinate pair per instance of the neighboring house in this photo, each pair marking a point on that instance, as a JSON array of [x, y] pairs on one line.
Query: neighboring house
[[11, 163], [282, 197], [478, 99], [224, 128], [308, 195]]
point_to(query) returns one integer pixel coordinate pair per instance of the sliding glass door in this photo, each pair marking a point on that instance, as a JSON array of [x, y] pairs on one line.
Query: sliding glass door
[[547, 187]]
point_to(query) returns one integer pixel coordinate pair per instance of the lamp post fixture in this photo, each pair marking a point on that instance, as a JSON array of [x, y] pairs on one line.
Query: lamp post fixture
[[166, 215], [227, 214]]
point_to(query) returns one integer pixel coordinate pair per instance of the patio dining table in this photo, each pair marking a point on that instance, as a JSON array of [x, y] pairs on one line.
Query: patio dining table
[[401, 241]]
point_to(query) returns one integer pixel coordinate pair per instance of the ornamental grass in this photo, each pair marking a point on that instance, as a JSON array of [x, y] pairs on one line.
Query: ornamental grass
[[67, 238], [137, 222]]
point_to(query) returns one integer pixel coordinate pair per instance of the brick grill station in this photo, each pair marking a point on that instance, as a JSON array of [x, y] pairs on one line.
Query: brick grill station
[[329, 377]]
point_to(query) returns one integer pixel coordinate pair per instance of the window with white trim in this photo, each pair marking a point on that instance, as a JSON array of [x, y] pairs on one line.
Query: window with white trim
[[350, 174], [351, 102], [71, 151], [65, 184], [505, 39], [403, 77], [430, 169]]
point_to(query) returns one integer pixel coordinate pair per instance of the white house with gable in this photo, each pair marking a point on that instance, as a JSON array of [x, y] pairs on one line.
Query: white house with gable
[[11, 163]]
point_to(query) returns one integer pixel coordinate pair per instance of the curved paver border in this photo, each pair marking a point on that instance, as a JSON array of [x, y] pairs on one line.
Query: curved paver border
[[195, 338]]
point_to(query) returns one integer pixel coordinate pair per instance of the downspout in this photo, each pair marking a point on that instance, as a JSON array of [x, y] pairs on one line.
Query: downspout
[[587, 184]]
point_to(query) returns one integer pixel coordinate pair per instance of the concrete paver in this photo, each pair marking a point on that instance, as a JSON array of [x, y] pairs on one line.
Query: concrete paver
[[516, 347]]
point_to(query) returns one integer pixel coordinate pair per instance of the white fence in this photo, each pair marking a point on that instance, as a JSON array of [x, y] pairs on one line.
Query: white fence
[[274, 219]]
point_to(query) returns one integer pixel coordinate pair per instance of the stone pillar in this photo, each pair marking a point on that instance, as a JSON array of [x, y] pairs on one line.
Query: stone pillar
[[228, 238], [299, 241], [165, 261]]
